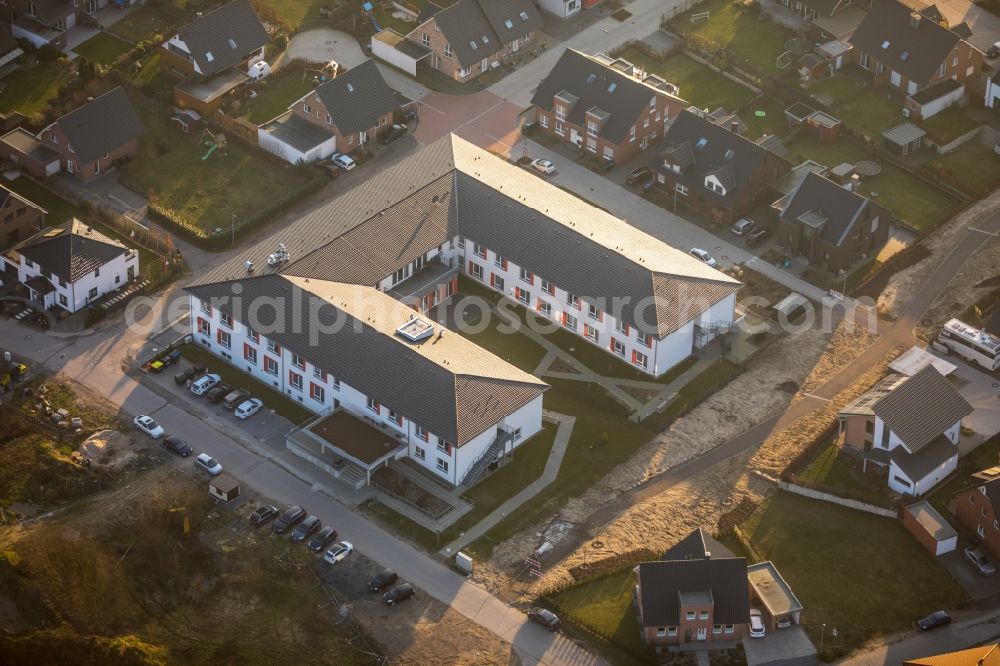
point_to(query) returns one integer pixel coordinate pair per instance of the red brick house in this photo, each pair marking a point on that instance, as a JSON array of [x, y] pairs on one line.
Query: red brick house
[[19, 218], [85, 143], [708, 166], [978, 510], [693, 595], [473, 36], [341, 115], [211, 55], [603, 105], [911, 52]]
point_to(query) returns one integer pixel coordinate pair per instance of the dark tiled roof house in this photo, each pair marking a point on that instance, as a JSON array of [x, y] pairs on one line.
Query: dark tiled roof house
[[713, 169], [467, 38], [86, 142], [211, 55], [911, 52], [19, 218], [605, 106], [910, 426], [830, 225], [693, 594]]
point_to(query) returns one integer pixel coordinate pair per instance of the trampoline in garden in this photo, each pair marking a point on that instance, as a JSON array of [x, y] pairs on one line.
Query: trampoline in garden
[[867, 168], [798, 46]]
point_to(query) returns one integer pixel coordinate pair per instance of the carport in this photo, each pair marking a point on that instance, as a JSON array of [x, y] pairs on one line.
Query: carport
[[398, 51], [770, 589]]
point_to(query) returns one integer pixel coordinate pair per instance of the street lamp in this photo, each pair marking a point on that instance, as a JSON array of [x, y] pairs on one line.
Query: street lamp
[[822, 633]]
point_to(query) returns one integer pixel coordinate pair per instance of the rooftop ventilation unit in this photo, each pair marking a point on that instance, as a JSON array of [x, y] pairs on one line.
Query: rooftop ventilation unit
[[416, 330]]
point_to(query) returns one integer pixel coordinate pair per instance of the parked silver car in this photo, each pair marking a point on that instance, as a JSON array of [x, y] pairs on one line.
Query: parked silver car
[[979, 560]]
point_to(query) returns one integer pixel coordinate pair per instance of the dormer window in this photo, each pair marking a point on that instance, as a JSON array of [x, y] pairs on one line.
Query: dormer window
[[209, 57], [486, 40], [231, 43], [473, 46], [524, 16], [509, 24], [885, 44]]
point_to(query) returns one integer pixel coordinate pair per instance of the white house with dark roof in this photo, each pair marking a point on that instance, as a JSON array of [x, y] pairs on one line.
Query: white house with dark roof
[[452, 208], [908, 425], [72, 266]]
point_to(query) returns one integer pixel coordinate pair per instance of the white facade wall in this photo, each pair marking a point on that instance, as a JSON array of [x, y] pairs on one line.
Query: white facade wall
[[293, 155], [938, 105], [898, 480], [447, 253], [563, 9], [992, 94], [74, 296], [661, 355], [393, 56], [181, 45], [340, 394]]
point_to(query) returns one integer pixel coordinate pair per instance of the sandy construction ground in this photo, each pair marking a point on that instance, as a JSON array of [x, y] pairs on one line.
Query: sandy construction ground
[[904, 284], [767, 386], [965, 289]]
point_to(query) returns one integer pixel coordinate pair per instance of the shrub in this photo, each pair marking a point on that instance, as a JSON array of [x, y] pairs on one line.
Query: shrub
[[49, 53]]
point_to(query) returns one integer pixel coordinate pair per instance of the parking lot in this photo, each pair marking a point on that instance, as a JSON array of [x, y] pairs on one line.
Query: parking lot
[[979, 587], [788, 646]]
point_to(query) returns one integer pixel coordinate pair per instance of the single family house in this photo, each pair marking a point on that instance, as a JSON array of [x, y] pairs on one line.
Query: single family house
[[908, 426], [19, 218], [978, 510]]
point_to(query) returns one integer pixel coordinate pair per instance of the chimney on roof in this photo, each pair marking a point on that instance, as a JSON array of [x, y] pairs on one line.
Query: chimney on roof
[[914, 19], [734, 126]]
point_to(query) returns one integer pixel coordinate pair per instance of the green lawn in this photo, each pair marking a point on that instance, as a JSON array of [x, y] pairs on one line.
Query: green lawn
[[863, 574], [772, 122], [866, 110], [840, 88], [972, 167], [293, 13], [830, 472], [230, 374], [276, 97], [950, 124], [29, 89], [606, 605], [149, 77], [909, 198], [146, 22], [983, 457], [701, 86], [207, 193], [103, 48], [749, 37]]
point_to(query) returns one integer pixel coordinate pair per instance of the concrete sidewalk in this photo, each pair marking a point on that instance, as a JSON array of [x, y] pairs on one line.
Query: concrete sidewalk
[[549, 474]]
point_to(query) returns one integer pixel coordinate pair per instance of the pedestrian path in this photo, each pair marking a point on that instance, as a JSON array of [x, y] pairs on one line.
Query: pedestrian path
[[548, 475]]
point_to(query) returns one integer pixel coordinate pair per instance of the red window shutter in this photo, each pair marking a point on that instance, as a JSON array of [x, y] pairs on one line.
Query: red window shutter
[[323, 375], [492, 280], [246, 351], [503, 264], [600, 315], [564, 316], [218, 335], [470, 266], [626, 328], [612, 345], [277, 349], [538, 304], [531, 279], [447, 448], [399, 419], [634, 356]]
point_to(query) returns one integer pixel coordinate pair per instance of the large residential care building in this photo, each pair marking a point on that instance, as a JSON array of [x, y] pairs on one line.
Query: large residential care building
[[393, 248]]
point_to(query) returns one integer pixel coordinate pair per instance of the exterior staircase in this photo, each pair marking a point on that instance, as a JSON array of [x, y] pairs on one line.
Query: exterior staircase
[[496, 448]]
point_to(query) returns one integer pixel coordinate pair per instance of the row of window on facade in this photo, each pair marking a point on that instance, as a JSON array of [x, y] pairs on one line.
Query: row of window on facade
[[570, 321], [296, 380], [716, 629]]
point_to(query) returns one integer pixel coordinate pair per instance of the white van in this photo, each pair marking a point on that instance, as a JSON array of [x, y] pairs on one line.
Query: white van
[[204, 383], [258, 70]]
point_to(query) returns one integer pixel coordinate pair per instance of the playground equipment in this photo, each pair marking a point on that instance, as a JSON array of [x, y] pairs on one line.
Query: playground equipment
[[321, 74], [215, 142]]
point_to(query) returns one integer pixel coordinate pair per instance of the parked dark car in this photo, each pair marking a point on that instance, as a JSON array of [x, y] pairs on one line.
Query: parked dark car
[[395, 132], [641, 177], [322, 539], [382, 580], [546, 618], [263, 514], [234, 398], [176, 445], [184, 376], [933, 621], [758, 236], [218, 393], [288, 519], [398, 594], [305, 529]]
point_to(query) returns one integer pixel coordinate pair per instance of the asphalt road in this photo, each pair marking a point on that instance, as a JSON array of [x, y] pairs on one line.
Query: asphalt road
[[96, 361]]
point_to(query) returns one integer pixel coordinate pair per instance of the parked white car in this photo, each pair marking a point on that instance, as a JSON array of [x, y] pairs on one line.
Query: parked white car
[[209, 464], [756, 624], [698, 253], [339, 552], [248, 408], [544, 166], [148, 426], [343, 161], [203, 384]]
